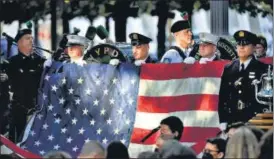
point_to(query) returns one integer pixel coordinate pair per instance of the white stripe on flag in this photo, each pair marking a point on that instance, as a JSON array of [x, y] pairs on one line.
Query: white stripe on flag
[[189, 118], [177, 87]]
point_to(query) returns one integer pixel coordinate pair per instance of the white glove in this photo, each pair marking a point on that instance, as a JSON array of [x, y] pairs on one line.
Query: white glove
[[114, 62], [48, 63], [139, 62], [3, 77], [189, 60], [223, 126], [203, 61]]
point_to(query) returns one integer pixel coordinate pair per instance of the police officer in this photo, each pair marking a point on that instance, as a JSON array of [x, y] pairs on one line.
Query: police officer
[[261, 47], [183, 38], [237, 94], [24, 72], [140, 49], [76, 46], [208, 47]]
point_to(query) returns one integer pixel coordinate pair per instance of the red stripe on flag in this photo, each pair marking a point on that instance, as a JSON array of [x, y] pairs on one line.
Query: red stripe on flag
[[169, 104], [179, 71], [267, 60], [190, 134], [16, 149], [199, 146]]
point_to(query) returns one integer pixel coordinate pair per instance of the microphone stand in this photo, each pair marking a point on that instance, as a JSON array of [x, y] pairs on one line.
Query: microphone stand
[[150, 134]]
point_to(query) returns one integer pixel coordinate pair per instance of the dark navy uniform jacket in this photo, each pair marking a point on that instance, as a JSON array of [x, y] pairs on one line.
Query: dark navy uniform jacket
[[237, 94]]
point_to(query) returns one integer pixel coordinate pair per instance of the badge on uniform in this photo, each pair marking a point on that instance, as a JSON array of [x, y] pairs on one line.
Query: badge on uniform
[[251, 75], [241, 34]]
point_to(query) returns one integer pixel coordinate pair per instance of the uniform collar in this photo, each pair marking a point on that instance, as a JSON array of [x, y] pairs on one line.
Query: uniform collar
[[246, 63], [185, 50], [25, 56], [141, 61]]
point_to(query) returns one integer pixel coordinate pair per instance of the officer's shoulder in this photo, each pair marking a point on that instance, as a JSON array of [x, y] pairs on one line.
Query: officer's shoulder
[[231, 64]]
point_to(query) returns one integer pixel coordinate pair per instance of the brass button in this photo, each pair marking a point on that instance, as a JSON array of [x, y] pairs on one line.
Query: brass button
[[240, 91]]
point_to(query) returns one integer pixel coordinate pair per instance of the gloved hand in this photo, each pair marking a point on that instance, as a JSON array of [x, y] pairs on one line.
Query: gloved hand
[[189, 60], [139, 62], [203, 61], [48, 63], [3, 77], [223, 126], [114, 62]]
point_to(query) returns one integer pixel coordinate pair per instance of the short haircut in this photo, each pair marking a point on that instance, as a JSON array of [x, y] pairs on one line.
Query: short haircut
[[92, 147], [174, 149], [175, 124], [148, 154], [219, 142], [57, 154], [116, 149]]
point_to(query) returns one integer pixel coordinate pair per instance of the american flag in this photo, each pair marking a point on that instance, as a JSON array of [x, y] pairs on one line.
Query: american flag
[[189, 92], [80, 104]]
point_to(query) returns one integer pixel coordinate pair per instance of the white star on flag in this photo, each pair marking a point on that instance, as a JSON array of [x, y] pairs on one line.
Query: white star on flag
[[45, 126], [123, 91], [47, 77], [50, 107], [109, 121], [39, 116], [64, 80], [103, 111], [85, 111], [68, 111], [105, 92], [74, 121], [127, 121], [32, 133], [132, 81], [120, 111], [116, 131], [82, 130], [114, 81], [96, 102], [57, 120], [77, 101], [99, 131], [44, 96], [69, 140], [88, 92], [61, 100], [54, 88], [130, 101], [111, 101], [37, 143], [63, 130], [50, 137], [56, 147], [87, 140], [75, 148], [80, 80], [97, 82], [71, 90], [42, 152], [92, 122], [105, 141]]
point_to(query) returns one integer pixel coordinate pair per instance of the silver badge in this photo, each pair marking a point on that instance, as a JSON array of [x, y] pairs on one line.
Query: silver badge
[[251, 75], [241, 105]]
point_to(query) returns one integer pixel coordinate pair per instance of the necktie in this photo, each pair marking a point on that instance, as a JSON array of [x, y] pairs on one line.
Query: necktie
[[242, 67]]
